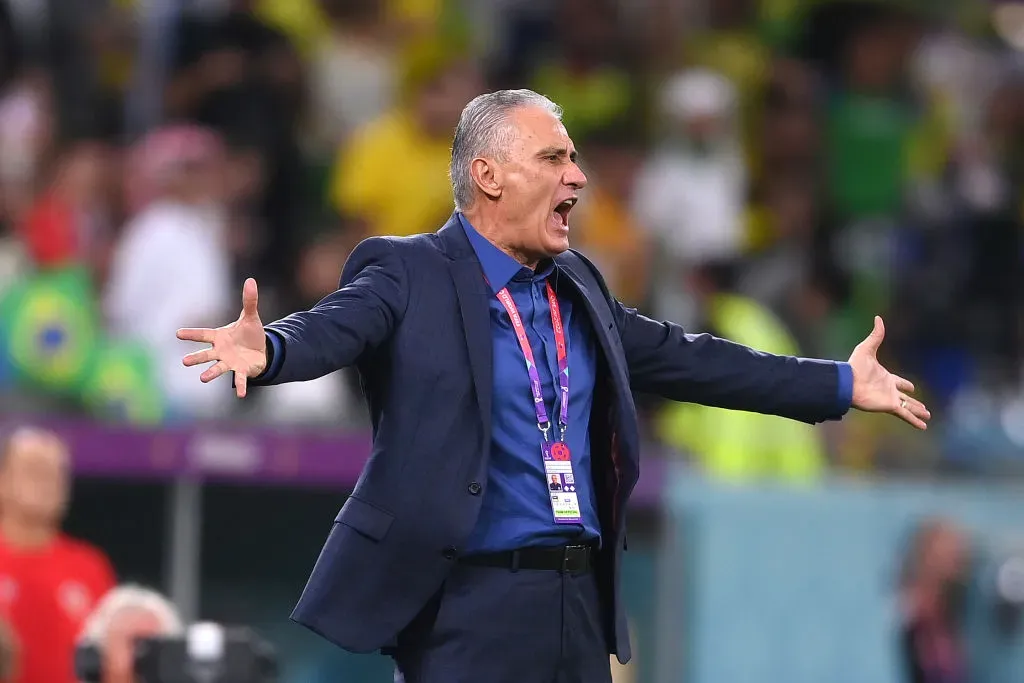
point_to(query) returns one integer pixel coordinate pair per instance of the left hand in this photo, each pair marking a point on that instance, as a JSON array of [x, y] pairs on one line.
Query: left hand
[[876, 390]]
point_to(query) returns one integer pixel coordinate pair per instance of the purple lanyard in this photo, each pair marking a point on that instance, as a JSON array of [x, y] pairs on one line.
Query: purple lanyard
[[531, 367]]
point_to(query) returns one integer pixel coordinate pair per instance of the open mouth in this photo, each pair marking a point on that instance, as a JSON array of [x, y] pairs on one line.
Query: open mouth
[[563, 208]]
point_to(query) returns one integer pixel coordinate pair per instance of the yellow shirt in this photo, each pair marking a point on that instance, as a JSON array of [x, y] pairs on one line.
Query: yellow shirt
[[591, 101], [395, 177], [305, 24], [740, 446], [609, 235]]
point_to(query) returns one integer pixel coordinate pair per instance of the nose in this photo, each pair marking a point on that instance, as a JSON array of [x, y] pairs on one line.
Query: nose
[[575, 177]]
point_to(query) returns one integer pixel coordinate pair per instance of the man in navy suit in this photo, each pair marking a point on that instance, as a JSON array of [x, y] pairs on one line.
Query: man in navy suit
[[496, 364]]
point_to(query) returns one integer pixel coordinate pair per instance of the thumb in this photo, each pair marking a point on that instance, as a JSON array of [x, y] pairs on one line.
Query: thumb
[[874, 340], [250, 299]]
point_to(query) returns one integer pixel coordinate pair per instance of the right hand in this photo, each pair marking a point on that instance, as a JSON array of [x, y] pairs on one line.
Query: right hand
[[240, 347]]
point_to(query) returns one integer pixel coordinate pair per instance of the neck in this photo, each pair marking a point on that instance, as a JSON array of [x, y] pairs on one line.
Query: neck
[[25, 534], [494, 231]]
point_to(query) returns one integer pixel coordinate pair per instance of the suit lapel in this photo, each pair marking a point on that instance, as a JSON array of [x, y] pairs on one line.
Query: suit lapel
[[476, 323], [604, 324], [600, 318], [473, 294]]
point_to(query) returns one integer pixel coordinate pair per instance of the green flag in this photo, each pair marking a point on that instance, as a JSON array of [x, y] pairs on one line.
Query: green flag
[[122, 385], [50, 327]]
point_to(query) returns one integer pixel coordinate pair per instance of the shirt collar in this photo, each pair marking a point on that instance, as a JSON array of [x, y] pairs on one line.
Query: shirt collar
[[500, 268]]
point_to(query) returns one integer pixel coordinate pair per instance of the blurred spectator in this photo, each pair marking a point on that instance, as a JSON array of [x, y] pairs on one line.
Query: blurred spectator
[[733, 445], [171, 268], [70, 222], [417, 134], [126, 614], [353, 72], [587, 71], [26, 137], [49, 583], [873, 121], [730, 44], [788, 221], [788, 130], [692, 191], [243, 79], [933, 593], [992, 183], [606, 227], [322, 400]]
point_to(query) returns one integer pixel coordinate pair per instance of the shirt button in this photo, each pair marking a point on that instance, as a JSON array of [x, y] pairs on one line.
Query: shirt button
[[475, 488], [450, 552]]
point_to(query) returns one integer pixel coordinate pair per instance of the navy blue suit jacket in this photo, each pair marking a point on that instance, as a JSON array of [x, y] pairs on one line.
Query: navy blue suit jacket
[[412, 315]]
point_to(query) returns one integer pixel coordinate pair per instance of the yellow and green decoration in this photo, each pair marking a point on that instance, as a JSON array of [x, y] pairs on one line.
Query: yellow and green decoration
[[52, 339]]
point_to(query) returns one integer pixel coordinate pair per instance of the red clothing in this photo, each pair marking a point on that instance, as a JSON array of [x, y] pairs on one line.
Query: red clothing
[[50, 234], [45, 596]]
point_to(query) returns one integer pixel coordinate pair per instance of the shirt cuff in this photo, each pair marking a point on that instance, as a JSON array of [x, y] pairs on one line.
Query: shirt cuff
[[275, 354], [845, 397]]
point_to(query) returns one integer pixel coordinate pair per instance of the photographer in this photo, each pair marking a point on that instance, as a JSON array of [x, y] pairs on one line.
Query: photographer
[[49, 582], [126, 614], [933, 591]]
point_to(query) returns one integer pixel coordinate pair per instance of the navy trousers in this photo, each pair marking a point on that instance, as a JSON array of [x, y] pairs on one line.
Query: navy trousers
[[504, 626]]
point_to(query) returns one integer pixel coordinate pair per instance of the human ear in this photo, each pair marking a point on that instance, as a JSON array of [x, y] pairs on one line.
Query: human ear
[[488, 177]]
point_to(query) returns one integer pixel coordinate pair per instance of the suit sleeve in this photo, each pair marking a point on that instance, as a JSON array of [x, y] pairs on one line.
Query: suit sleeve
[[701, 368], [362, 314]]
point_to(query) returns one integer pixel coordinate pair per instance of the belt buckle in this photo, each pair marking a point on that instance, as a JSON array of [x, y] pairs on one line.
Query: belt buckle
[[573, 559]]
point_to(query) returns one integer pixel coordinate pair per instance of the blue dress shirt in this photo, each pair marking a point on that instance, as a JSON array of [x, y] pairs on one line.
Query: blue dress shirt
[[516, 511]]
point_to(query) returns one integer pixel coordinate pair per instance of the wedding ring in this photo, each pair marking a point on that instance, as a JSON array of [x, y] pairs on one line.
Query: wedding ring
[[903, 403]]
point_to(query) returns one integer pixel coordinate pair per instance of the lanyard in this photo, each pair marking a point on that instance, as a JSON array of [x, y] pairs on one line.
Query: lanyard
[[531, 367]]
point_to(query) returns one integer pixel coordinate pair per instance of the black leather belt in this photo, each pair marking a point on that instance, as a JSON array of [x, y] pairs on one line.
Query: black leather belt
[[572, 559]]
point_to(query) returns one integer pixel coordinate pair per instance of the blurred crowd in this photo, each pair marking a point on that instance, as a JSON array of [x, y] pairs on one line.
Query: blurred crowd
[[58, 593], [774, 171]]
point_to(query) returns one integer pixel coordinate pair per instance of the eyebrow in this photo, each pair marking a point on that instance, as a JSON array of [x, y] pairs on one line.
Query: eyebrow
[[558, 151]]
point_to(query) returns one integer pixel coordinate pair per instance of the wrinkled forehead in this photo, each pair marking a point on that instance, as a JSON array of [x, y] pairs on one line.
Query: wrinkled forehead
[[536, 129]]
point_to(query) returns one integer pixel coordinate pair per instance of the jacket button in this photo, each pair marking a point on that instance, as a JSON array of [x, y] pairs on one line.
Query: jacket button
[[450, 552], [475, 488]]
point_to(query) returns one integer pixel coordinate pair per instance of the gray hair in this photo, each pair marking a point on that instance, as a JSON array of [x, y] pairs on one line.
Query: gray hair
[[128, 598], [484, 130]]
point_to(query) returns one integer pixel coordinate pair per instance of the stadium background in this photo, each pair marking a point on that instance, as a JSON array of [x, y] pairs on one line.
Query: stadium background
[[776, 171]]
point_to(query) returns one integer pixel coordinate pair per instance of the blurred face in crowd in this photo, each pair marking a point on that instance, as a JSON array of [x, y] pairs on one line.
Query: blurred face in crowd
[[320, 265], [353, 13], [127, 627], [724, 14], [793, 207], [85, 173], [789, 136], [616, 167], [534, 187], [944, 555], [942, 568], [244, 176], [440, 102], [34, 479], [587, 29], [876, 57], [1005, 112], [704, 132], [196, 181]]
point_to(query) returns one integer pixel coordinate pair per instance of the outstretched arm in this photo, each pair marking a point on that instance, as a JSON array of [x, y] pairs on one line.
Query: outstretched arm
[[361, 314], [701, 368]]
